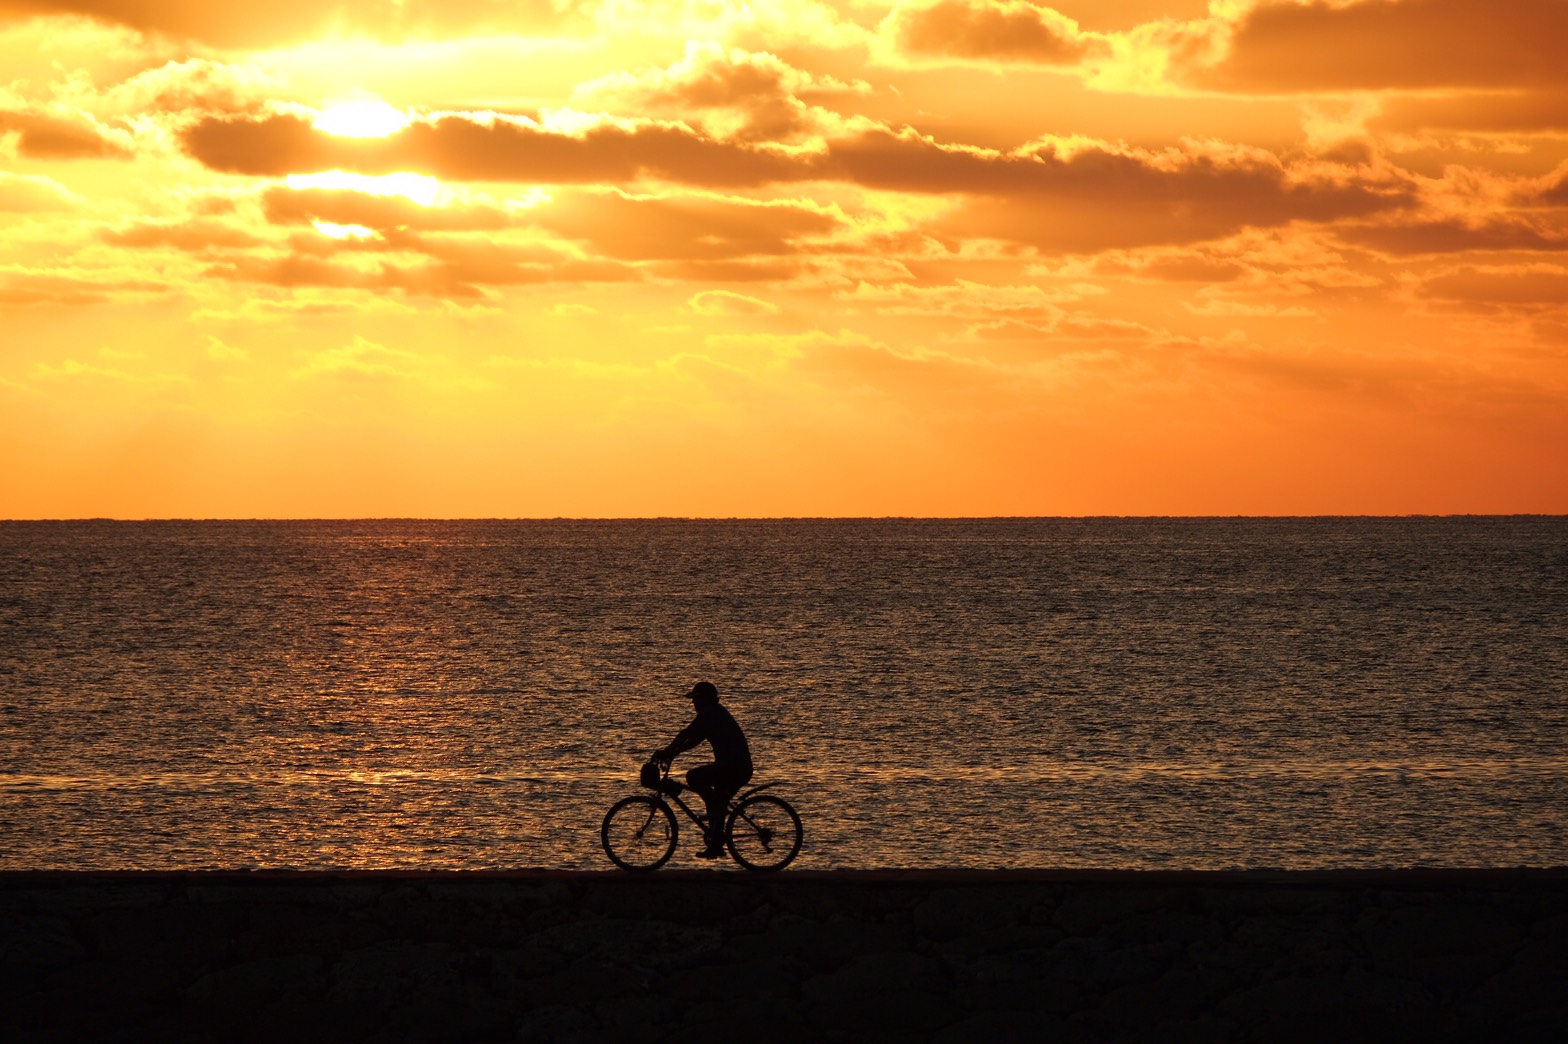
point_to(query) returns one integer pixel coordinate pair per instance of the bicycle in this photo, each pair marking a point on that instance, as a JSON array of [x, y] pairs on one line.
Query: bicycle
[[761, 831]]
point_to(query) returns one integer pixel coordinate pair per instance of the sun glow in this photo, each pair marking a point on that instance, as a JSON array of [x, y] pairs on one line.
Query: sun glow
[[420, 188], [335, 231], [362, 118]]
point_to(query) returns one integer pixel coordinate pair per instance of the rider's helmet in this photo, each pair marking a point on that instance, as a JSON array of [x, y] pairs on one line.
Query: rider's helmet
[[704, 694]]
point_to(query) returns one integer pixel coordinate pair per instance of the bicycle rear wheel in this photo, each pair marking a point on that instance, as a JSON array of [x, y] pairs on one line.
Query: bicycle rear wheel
[[639, 833], [763, 833]]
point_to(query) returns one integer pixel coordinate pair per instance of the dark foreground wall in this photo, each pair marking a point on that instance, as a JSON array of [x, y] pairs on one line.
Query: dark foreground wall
[[1436, 955]]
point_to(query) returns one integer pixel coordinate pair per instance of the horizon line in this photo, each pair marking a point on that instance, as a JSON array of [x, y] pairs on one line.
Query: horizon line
[[786, 518]]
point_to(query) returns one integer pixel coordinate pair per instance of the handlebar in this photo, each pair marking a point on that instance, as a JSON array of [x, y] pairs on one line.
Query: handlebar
[[655, 775]]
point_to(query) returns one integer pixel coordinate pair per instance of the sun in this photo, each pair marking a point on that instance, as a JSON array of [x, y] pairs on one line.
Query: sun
[[361, 118]]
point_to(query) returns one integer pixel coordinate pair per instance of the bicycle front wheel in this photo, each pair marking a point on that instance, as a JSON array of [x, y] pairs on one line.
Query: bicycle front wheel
[[763, 833], [639, 833]]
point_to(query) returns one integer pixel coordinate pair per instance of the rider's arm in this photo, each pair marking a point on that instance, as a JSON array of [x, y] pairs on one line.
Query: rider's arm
[[686, 739]]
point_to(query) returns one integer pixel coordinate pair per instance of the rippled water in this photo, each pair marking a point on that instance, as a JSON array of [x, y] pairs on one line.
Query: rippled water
[[1001, 693]]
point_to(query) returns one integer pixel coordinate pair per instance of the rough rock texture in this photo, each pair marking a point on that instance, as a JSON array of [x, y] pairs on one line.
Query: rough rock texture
[[1060, 956]]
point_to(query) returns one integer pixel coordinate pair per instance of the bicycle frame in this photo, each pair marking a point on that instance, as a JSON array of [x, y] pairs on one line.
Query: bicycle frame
[[665, 798], [729, 810]]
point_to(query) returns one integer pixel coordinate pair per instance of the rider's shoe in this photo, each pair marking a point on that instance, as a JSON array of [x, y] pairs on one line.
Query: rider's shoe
[[714, 846]]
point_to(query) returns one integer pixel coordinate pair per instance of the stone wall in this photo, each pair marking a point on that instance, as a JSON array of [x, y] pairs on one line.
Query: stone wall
[[1265, 956]]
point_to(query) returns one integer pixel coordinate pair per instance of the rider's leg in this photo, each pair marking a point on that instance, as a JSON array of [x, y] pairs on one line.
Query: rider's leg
[[717, 784], [707, 780]]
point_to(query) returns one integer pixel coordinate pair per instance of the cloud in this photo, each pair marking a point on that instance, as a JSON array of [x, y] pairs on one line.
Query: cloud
[[1516, 286], [1061, 329], [986, 31], [968, 299], [1081, 196], [455, 271], [22, 193], [1122, 195], [1183, 267], [198, 236], [1454, 235], [494, 148], [21, 287], [725, 302], [233, 25], [684, 228], [912, 376], [76, 370], [221, 352], [776, 270], [193, 84], [1197, 172], [57, 138], [254, 25], [359, 360], [1382, 44], [296, 271], [1553, 190], [740, 94], [285, 206]]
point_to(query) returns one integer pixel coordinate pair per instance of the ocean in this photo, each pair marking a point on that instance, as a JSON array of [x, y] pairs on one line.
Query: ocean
[[1000, 693]]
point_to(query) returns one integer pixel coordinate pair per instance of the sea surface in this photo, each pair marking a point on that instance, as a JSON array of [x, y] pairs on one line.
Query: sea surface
[[1149, 693]]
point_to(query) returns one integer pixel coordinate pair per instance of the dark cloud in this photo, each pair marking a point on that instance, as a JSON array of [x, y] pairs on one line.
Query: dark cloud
[[1246, 181], [292, 271], [506, 151], [1083, 198], [199, 236], [51, 138], [265, 145], [1096, 198], [987, 30], [500, 150], [1455, 237], [1555, 192], [1533, 286], [1384, 44], [693, 229]]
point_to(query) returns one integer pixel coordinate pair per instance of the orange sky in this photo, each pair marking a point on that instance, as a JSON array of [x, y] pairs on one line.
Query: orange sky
[[977, 257]]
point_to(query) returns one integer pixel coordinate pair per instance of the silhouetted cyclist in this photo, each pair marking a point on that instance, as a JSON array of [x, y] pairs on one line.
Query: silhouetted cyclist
[[731, 766]]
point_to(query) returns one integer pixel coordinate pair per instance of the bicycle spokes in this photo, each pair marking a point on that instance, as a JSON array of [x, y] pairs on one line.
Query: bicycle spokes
[[639, 833], [764, 833]]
